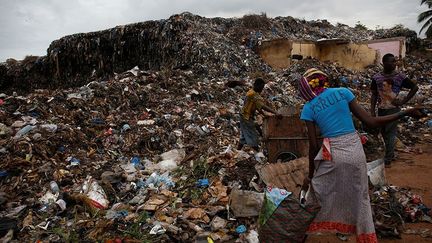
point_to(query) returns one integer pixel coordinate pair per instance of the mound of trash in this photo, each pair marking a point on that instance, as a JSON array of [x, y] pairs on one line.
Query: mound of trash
[[129, 134], [212, 47]]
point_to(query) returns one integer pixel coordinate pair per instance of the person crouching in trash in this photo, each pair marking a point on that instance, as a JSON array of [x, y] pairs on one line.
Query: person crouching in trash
[[337, 170], [248, 128]]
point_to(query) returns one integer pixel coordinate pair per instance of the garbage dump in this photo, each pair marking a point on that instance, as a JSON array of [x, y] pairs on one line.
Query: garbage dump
[[207, 46], [129, 134]]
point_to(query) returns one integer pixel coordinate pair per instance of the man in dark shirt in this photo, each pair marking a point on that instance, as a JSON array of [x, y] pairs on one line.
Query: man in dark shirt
[[385, 88]]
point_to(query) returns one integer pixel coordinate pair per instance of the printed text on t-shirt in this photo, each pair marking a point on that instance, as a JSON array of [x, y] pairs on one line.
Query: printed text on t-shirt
[[322, 104]]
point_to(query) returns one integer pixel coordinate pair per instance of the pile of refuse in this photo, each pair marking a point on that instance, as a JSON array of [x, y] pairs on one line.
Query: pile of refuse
[[140, 156], [143, 156], [393, 206], [120, 141], [222, 47]]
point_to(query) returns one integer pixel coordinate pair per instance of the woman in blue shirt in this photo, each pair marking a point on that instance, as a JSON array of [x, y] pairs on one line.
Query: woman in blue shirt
[[337, 169]]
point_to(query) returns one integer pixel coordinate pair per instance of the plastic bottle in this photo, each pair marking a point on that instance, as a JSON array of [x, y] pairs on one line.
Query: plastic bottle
[[54, 187]]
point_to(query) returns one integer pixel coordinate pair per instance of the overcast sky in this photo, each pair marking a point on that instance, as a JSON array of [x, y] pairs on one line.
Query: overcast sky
[[27, 27]]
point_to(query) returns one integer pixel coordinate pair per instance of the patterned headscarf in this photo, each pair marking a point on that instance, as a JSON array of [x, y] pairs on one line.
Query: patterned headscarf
[[312, 83]]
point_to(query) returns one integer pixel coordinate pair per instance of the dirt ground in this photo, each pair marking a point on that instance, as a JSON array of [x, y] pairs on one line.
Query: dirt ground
[[411, 170]]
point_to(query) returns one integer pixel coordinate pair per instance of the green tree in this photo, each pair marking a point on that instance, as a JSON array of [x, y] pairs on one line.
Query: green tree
[[426, 17], [360, 26]]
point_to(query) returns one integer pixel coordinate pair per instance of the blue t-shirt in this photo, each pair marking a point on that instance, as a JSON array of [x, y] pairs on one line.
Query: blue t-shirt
[[330, 111]]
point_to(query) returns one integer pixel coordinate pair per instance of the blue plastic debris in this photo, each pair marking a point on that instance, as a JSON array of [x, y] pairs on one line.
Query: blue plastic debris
[[274, 98], [203, 182], [74, 162], [24, 130], [122, 213], [3, 173], [61, 149], [343, 79], [424, 209], [140, 183], [112, 214], [241, 229], [159, 181], [125, 128], [135, 161], [34, 114], [97, 121]]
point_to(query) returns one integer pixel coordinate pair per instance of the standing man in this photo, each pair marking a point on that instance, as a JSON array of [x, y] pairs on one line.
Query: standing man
[[252, 102], [385, 88]]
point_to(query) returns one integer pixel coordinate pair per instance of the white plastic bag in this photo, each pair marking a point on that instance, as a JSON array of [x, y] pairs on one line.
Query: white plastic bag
[[95, 193], [376, 172]]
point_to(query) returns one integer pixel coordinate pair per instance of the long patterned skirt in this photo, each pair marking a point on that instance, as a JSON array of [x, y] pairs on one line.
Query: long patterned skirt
[[341, 188]]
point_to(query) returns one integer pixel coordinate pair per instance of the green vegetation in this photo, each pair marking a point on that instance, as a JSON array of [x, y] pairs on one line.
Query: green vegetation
[[68, 236], [426, 17], [360, 26]]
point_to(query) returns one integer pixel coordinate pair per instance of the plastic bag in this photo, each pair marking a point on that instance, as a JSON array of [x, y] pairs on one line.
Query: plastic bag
[[95, 193], [376, 172]]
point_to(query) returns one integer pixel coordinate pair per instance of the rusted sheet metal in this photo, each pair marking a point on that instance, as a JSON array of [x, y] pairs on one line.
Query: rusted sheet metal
[[287, 126], [287, 134]]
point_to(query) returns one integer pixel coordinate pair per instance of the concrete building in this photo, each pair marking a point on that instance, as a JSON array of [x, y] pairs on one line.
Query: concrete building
[[357, 56]]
